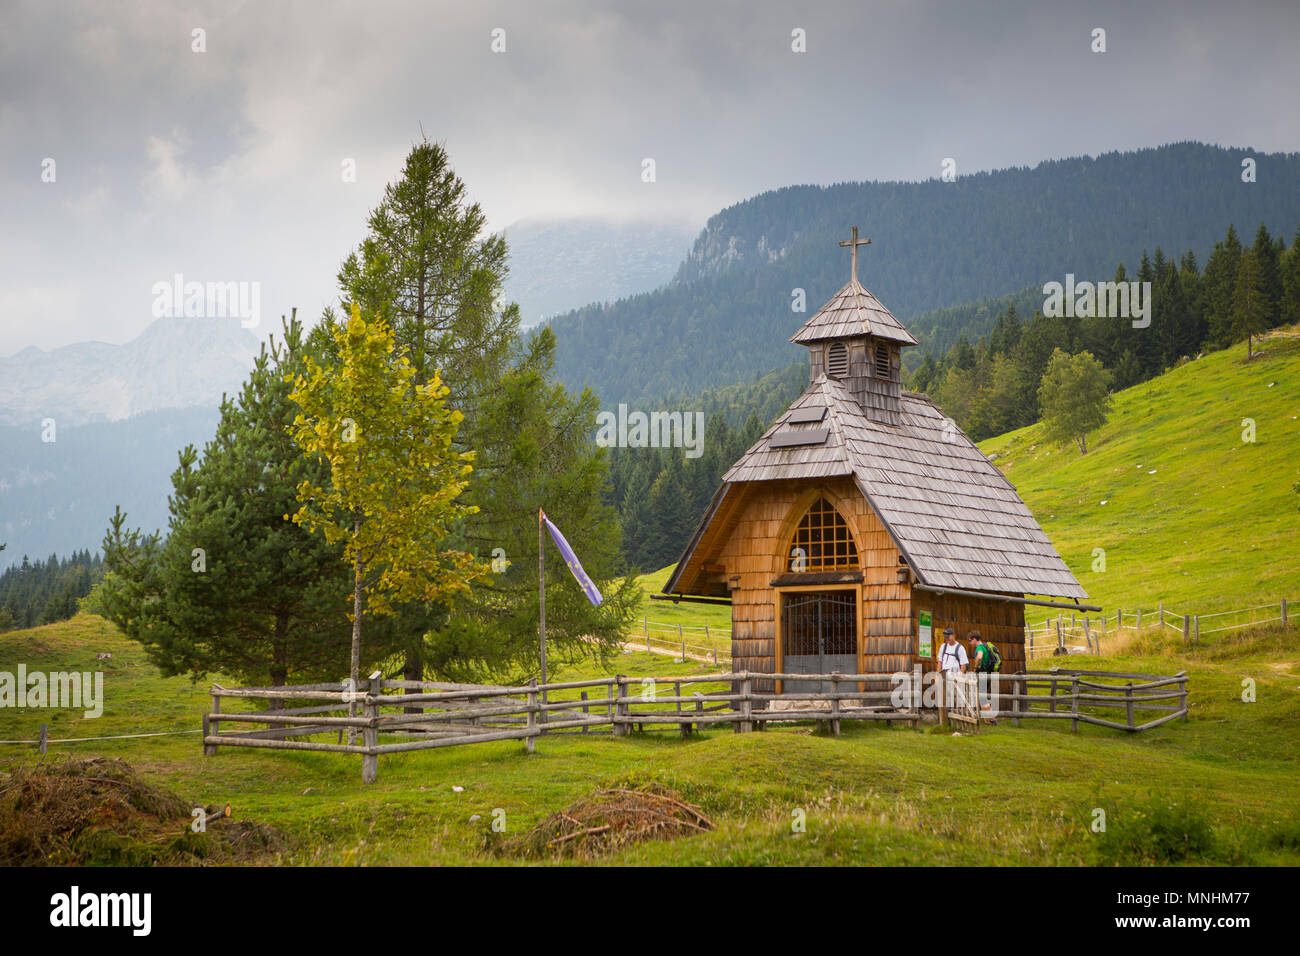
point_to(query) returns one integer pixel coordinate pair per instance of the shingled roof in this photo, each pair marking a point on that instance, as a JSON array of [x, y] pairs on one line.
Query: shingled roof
[[853, 311], [952, 513]]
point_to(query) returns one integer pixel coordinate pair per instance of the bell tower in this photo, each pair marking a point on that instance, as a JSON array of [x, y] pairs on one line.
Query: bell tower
[[855, 340]]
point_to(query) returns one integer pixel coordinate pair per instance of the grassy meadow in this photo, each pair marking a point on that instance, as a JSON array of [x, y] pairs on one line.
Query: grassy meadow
[[1223, 787]]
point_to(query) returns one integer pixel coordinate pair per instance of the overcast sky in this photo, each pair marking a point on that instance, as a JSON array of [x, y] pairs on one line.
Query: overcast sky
[[225, 165]]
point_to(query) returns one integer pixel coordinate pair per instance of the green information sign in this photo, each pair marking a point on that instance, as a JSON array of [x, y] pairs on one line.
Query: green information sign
[[925, 639]]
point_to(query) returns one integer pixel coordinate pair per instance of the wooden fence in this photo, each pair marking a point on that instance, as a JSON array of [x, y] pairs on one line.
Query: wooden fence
[[662, 638], [1084, 634], [421, 715]]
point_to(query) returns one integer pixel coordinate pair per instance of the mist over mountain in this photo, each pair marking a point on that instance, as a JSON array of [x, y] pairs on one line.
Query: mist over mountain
[[557, 265], [173, 363], [56, 497]]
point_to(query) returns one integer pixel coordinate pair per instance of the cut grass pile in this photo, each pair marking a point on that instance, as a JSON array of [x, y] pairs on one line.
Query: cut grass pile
[[606, 821], [99, 811]]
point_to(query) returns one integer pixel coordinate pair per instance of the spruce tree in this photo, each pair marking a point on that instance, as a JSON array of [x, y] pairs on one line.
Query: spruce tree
[[1250, 301]]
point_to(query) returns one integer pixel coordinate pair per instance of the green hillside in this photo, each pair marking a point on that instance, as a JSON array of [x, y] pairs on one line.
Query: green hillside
[[1188, 513]]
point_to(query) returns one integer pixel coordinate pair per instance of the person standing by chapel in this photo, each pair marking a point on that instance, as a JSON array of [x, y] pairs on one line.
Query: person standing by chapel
[[952, 655]]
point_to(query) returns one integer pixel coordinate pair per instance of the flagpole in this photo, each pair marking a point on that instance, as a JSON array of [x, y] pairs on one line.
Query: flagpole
[[541, 597]]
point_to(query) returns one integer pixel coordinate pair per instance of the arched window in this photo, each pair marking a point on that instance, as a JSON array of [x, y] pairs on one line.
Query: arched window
[[822, 541]]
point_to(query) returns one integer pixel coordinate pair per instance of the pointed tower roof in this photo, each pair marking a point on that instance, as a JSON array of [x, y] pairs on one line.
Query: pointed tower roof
[[853, 311]]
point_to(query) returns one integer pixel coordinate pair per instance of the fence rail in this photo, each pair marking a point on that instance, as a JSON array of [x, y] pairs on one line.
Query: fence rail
[[448, 715], [662, 638], [1084, 634]]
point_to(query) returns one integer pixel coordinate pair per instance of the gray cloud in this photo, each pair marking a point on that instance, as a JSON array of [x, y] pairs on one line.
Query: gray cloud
[[225, 165]]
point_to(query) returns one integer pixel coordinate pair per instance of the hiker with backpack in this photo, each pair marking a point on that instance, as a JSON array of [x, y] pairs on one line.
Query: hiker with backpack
[[988, 660], [952, 655]]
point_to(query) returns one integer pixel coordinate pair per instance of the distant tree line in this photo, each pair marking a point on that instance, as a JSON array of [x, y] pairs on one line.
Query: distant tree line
[[46, 591], [993, 386]]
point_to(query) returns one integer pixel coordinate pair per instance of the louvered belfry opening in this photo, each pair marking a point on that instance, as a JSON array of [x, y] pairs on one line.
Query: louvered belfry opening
[[882, 361], [837, 360], [822, 541]]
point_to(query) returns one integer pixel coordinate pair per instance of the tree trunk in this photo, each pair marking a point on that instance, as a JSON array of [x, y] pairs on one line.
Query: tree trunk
[[279, 663], [355, 670]]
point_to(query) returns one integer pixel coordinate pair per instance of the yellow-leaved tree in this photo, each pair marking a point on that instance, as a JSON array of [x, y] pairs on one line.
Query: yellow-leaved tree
[[395, 476]]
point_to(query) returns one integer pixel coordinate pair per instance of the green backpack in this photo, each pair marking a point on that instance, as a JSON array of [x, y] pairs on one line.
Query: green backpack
[[991, 662]]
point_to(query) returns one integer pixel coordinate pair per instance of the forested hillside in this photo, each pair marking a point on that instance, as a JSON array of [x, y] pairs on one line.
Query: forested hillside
[[42, 592], [728, 313]]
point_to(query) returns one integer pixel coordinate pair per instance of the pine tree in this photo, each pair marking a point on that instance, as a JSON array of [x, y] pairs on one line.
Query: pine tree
[[1218, 283], [1270, 280], [1250, 301], [234, 587]]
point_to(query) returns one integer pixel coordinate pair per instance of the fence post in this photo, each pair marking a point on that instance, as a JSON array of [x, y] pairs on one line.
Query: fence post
[[1187, 627], [715, 657], [943, 698], [746, 704], [1161, 611], [1128, 703], [1060, 641], [1017, 688], [1074, 704], [1087, 635], [682, 638], [706, 633], [1183, 686], [699, 710], [1196, 631], [44, 742], [585, 728], [530, 740], [370, 734], [1139, 620], [1051, 704], [620, 707], [1119, 620], [835, 703], [212, 729], [1284, 614], [677, 692]]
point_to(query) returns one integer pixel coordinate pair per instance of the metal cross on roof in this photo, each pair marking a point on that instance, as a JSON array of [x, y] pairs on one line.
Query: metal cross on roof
[[853, 244]]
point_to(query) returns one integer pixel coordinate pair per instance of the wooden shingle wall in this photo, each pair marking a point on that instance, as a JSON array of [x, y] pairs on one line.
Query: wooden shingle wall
[[757, 549], [1002, 622]]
